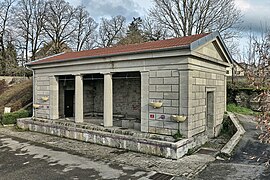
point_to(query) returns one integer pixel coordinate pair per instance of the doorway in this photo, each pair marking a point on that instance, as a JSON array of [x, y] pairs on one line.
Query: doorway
[[69, 103], [210, 114]]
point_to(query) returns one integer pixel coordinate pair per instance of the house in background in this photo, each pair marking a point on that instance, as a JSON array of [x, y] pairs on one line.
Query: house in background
[[236, 69], [145, 87]]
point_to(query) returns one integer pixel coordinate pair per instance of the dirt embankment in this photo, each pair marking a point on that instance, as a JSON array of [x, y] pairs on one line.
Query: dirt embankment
[[15, 95]]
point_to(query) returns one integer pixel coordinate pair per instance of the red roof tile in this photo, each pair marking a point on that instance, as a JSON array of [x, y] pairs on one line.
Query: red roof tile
[[132, 48]]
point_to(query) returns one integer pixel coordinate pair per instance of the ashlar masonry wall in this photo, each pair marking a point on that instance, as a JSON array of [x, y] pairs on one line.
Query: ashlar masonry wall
[[164, 87], [42, 89], [206, 77], [126, 97], [183, 91]]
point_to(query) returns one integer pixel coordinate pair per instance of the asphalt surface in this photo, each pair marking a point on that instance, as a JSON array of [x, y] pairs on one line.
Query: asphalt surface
[[248, 161], [20, 159], [30, 155], [158, 166]]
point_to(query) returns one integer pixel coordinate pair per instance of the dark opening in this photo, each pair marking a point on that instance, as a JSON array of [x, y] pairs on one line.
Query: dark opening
[[66, 95], [69, 102]]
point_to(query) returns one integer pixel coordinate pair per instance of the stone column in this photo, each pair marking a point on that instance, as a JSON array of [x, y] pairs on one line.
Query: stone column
[[225, 93], [54, 98], [108, 100], [144, 101], [185, 91], [78, 98]]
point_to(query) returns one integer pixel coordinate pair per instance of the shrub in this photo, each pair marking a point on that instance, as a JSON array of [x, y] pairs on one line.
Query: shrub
[[11, 118]]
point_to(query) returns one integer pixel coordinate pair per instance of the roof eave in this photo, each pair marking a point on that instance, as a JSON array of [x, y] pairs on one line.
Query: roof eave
[[30, 63], [109, 55]]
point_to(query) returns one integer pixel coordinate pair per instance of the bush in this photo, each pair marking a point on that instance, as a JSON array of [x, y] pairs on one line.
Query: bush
[[11, 118]]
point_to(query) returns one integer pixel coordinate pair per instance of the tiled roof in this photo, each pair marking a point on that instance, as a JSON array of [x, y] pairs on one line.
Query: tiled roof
[[122, 49]]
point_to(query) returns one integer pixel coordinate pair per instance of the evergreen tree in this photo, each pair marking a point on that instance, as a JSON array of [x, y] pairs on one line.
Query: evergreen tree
[[11, 59], [134, 33]]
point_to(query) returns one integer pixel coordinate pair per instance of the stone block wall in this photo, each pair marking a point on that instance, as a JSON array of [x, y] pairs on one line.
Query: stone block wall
[[126, 97], [88, 96], [202, 81], [42, 89], [98, 97], [164, 87], [118, 139]]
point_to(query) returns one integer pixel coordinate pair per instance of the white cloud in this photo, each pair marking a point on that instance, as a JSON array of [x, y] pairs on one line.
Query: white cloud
[[108, 8], [243, 5]]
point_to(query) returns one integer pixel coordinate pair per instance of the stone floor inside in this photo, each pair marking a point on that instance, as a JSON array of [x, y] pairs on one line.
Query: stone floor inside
[[96, 123], [123, 123]]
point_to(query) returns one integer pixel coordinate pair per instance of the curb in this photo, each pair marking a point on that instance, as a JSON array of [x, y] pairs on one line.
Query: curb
[[228, 148]]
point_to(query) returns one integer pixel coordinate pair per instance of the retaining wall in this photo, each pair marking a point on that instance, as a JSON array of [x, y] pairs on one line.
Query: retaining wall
[[123, 139]]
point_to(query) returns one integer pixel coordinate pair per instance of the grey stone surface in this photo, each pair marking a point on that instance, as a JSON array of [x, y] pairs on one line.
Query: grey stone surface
[[100, 135], [229, 147]]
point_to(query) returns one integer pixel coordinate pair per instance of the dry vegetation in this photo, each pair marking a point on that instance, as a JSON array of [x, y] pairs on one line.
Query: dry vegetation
[[15, 96]]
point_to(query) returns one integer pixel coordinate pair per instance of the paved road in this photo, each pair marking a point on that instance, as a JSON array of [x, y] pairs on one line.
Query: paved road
[[247, 163], [21, 159]]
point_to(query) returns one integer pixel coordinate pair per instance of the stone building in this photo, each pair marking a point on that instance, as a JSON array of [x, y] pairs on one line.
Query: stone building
[[141, 86]]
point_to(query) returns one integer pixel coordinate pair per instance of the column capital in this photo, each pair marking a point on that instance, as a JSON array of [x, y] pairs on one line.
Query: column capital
[[78, 74], [107, 73], [144, 71]]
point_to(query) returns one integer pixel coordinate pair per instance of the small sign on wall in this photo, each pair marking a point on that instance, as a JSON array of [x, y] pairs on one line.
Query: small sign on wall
[[162, 116], [152, 116]]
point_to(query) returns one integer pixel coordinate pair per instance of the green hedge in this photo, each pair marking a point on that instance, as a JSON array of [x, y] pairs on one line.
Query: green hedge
[[11, 118]]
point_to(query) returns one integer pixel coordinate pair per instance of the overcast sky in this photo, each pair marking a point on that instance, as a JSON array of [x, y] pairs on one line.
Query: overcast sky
[[255, 12], [108, 8]]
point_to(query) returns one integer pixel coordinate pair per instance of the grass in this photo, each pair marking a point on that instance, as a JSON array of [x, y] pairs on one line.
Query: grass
[[240, 110]]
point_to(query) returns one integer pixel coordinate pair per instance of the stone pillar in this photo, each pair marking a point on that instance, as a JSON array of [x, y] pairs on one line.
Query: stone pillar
[[144, 101], [78, 98], [108, 100], [185, 91], [225, 93], [54, 98]]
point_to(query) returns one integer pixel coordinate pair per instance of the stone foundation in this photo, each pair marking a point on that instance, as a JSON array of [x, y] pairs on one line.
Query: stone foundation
[[114, 137]]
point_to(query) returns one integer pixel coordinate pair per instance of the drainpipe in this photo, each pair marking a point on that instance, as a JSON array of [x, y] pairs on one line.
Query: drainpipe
[[33, 82]]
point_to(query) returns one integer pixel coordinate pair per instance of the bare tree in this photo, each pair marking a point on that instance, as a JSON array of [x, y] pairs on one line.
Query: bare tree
[[187, 17], [257, 69], [59, 24], [258, 74], [153, 31], [85, 33], [5, 15], [30, 21], [111, 30]]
